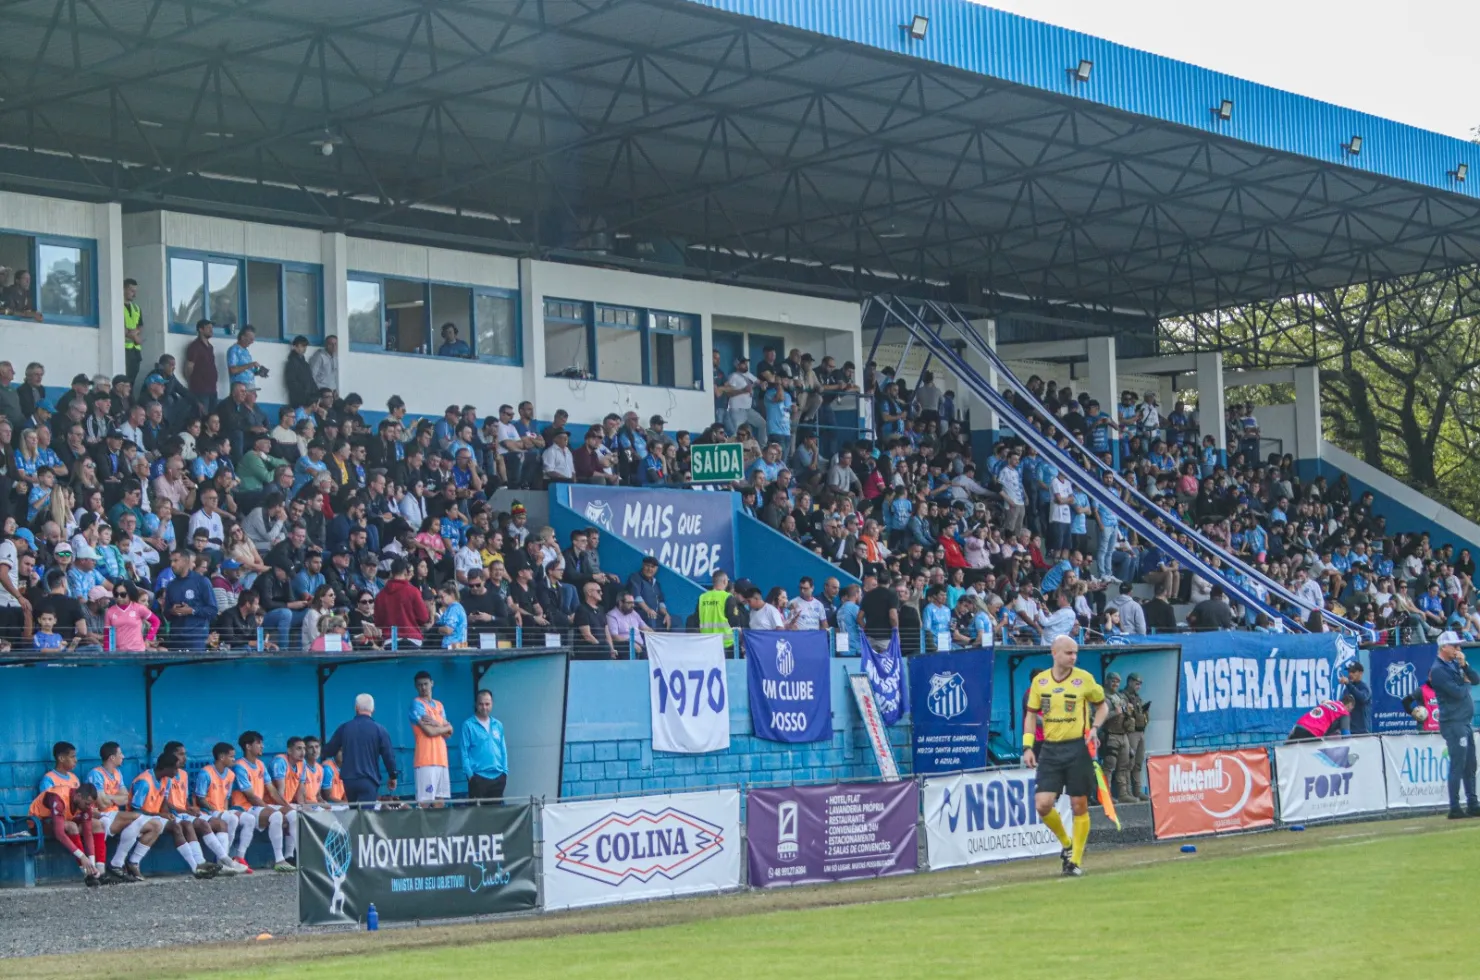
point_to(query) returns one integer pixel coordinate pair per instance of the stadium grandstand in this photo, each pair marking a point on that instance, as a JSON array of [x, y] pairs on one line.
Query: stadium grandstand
[[346, 337]]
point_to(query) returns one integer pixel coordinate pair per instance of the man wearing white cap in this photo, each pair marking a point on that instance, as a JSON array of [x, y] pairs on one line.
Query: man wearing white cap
[[84, 576], [1451, 678]]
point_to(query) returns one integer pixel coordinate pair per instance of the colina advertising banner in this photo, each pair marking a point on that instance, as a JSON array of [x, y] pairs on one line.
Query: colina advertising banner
[[1210, 792], [790, 684], [691, 533], [1254, 683], [806, 834], [639, 847], [416, 863], [1417, 768], [1333, 778], [950, 704], [1396, 673], [976, 817]]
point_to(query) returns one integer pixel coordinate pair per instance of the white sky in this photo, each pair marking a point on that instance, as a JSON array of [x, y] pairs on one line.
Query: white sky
[[1410, 60]]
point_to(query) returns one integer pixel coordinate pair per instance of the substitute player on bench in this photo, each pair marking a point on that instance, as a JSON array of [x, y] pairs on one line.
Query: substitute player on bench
[[1061, 696], [213, 799], [66, 806], [126, 825]]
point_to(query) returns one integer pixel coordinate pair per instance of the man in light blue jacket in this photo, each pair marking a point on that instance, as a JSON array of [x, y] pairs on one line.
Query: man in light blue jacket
[[485, 757]]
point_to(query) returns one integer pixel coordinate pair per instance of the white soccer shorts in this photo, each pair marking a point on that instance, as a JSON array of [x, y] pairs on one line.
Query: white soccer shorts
[[432, 783]]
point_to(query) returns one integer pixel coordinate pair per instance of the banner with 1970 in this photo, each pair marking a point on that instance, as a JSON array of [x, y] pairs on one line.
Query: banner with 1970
[[415, 864], [690, 696]]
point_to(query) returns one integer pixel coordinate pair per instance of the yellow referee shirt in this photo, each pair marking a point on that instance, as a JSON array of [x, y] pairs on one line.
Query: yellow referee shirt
[[1064, 705]]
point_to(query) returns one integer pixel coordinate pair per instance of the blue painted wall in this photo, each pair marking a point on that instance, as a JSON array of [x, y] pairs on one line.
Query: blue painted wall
[[609, 746]]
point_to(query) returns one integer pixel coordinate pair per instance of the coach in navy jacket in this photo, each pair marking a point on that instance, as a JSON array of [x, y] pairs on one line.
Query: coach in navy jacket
[[1451, 678], [362, 744]]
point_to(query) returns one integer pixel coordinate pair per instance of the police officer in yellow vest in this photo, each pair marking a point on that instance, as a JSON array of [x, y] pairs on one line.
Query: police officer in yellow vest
[[712, 609], [133, 341]]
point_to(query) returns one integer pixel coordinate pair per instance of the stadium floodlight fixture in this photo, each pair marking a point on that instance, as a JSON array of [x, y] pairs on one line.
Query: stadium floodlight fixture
[[1081, 71], [1460, 172], [917, 27], [1354, 146], [1224, 111]]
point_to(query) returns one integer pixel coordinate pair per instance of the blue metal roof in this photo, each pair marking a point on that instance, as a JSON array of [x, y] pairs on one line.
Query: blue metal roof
[[799, 143], [995, 43]]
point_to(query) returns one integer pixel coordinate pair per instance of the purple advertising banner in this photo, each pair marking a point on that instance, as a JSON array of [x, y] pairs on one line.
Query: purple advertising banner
[[806, 834]]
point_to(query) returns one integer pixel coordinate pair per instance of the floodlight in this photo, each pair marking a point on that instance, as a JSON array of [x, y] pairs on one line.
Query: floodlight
[[1354, 147], [1082, 70], [1224, 110], [917, 26], [1460, 172]]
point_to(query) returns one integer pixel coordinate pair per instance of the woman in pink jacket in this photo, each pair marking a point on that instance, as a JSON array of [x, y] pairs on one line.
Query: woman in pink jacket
[[132, 624]]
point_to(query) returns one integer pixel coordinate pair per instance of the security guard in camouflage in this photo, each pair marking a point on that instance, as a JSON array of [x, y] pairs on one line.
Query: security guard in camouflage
[[1116, 755], [1136, 735]]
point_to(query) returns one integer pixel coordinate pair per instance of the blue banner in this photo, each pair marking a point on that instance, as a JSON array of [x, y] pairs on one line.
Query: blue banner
[[691, 533], [1396, 673], [885, 670], [790, 684], [950, 706], [1254, 683]]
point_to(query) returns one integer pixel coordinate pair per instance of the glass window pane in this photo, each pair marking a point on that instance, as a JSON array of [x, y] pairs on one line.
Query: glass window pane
[[496, 322], [453, 305], [264, 298], [187, 291], [303, 304], [64, 281], [566, 353], [222, 277], [406, 316], [365, 318], [619, 355], [672, 359]]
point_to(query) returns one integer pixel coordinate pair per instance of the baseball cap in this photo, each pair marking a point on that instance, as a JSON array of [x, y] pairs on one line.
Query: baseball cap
[[657, 420], [62, 549], [1449, 638], [98, 593], [85, 553], [230, 564]]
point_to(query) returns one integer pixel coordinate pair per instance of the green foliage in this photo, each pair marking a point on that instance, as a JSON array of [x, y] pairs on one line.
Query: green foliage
[[1398, 362]]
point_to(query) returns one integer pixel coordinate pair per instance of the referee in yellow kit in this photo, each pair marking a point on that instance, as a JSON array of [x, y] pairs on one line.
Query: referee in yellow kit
[[1062, 695]]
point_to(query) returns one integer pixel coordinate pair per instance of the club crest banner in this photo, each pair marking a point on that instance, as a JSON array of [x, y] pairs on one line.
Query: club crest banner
[[1397, 673], [950, 705], [690, 696], [790, 684], [885, 670]]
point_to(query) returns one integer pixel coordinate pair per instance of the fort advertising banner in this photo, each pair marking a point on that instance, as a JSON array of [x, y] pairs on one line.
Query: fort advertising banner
[[415, 863], [1331, 778], [691, 533], [1254, 683], [640, 847], [805, 834]]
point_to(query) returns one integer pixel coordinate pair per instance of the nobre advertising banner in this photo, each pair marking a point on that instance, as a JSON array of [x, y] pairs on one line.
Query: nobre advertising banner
[[1210, 792], [415, 863]]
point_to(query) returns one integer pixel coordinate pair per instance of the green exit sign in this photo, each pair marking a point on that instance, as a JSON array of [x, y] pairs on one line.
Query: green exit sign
[[721, 463]]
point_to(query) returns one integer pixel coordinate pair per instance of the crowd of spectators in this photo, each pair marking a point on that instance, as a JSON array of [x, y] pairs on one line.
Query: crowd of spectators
[[144, 512]]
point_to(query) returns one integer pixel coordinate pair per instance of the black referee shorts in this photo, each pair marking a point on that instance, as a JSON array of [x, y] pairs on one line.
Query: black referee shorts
[[1065, 767]]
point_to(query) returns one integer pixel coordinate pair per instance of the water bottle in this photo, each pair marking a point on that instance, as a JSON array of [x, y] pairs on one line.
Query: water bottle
[[372, 919]]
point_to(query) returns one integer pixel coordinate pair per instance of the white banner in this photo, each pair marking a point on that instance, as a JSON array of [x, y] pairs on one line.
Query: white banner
[[1331, 778], [1417, 770], [873, 725], [690, 692], [976, 817], [639, 847]]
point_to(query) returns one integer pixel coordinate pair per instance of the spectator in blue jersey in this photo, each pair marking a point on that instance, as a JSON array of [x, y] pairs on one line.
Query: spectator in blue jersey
[[935, 619], [189, 604], [451, 345], [241, 363], [452, 618]]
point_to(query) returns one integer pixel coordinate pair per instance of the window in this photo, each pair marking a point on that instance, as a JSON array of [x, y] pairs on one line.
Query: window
[[63, 287], [279, 299], [409, 316], [366, 319], [626, 344]]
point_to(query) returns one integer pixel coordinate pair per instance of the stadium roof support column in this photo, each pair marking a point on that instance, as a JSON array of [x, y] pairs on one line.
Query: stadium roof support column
[[334, 255], [1104, 381], [984, 421], [1210, 404], [108, 230], [1307, 418]]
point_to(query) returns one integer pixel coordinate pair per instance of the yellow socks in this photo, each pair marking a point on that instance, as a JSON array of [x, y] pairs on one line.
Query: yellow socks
[[1081, 837], [1055, 823]]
